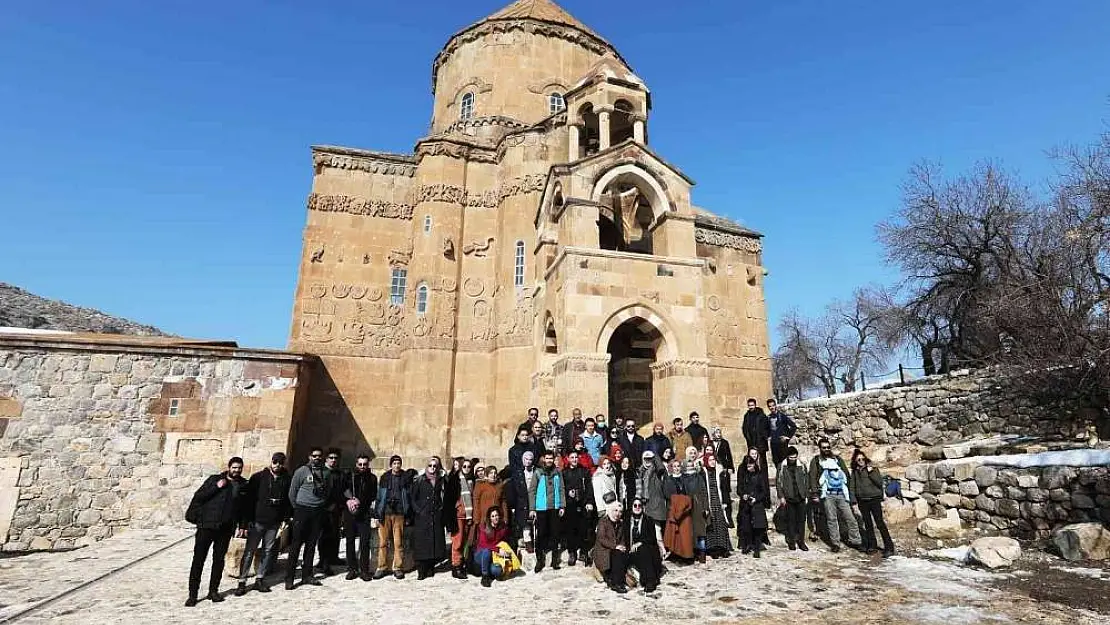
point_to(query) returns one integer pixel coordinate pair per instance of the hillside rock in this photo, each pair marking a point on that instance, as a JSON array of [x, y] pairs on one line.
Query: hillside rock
[[21, 309]]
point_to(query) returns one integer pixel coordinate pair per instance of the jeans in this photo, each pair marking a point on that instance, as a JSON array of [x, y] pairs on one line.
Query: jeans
[[837, 506], [358, 561], [795, 523], [484, 557], [392, 527], [308, 523], [872, 512], [217, 539], [264, 536]]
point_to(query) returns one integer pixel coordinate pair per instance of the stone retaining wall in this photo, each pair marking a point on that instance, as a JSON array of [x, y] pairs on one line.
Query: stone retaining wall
[[931, 411], [99, 433], [1021, 502]]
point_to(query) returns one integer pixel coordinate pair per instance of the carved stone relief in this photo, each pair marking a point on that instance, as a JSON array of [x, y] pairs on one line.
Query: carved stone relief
[[358, 206], [478, 250], [448, 248], [723, 239], [317, 255], [492, 198], [400, 257]]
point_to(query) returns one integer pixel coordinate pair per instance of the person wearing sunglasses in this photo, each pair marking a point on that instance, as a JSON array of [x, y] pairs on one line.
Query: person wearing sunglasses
[[309, 494], [429, 544]]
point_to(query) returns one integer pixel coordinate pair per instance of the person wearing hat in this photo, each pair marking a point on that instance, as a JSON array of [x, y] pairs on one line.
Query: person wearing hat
[[392, 506], [267, 508]]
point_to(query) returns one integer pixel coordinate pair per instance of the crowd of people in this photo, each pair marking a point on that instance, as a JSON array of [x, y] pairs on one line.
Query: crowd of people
[[606, 497]]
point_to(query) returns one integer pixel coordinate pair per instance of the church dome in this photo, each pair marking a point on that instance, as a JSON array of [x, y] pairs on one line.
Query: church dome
[[515, 64]]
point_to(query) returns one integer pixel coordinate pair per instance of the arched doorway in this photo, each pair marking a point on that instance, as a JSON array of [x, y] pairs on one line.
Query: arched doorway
[[632, 350]]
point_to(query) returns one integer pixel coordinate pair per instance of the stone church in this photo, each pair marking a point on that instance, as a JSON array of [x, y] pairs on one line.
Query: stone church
[[532, 250]]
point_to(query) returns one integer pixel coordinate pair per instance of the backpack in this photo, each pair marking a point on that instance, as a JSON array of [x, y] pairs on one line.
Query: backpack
[[834, 480], [893, 487]]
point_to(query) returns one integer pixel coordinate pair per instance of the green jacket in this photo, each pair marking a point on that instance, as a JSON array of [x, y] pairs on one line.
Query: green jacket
[[866, 484], [792, 482]]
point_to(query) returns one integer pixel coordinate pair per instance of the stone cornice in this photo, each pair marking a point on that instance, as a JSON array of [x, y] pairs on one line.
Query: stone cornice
[[480, 122], [359, 206], [744, 243], [629, 256], [388, 163], [587, 40], [613, 149]]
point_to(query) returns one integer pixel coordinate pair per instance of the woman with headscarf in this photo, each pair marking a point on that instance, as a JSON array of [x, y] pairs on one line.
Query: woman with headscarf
[[755, 456], [755, 498], [722, 449], [649, 489], [678, 534], [626, 483], [667, 456], [643, 547], [611, 549], [522, 444], [429, 544], [694, 487], [719, 495], [460, 513], [693, 456], [491, 547], [604, 485]]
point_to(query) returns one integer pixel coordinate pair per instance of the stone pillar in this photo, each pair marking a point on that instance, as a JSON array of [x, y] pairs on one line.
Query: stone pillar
[[638, 130], [603, 130], [582, 381], [573, 152]]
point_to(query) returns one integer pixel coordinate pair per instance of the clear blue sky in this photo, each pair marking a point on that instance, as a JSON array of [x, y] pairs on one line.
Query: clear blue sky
[[155, 158]]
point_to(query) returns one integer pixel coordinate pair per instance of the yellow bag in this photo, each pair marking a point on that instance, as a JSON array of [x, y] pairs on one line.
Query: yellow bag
[[508, 565]]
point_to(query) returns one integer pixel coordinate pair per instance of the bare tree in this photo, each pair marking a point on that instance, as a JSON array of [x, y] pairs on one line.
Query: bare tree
[[867, 333], [791, 375]]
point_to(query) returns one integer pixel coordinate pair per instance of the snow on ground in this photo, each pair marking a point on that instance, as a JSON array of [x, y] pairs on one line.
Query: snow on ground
[[1068, 458]]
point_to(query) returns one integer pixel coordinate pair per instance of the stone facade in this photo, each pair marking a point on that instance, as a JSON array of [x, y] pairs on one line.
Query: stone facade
[[1022, 502], [531, 251], [99, 433], [934, 410]]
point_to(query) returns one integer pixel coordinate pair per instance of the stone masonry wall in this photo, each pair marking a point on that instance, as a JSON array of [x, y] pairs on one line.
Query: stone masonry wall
[[1022, 502], [99, 434], [931, 411]]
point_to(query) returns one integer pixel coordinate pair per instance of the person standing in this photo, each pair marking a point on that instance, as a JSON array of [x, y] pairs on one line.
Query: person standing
[[553, 432], [217, 508], [428, 541], [631, 443], [782, 429], [678, 535], [694, 485], [360, 494], [751, 520], [533, 416], [547, 498], [649, 490], [719, 495], [392, 507], [309, 492], [594, 441], [516, 494], [538, 444], [573, 430], [697, 431], [329, 535], [268, 507], [459, 513], [489, 492], [757, 431], [792, 482], [679, 437], [522, 444], [828, 485], [626, 482], [579, 510], [722, 449], [658, 442], [867, 490], [604, 484]]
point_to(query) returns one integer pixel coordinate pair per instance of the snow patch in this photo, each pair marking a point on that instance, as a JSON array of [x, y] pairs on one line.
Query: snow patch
[[1085, 572], [932, 577], [1068, 458], [949, 615], [11, 330]]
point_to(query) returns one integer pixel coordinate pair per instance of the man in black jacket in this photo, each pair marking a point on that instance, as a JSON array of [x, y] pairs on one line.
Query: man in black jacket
[[516, 494], [757, 431], [267, 505], [631, 443], [360, 494], [697, 432], [217, 509], [329, 535], [782, 430], [579, 511]]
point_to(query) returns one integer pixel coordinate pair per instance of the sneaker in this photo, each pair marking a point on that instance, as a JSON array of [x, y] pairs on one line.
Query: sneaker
[[215, 597], [381, 574], [261, 586], [190, 602], [352, 575], [241, 589]]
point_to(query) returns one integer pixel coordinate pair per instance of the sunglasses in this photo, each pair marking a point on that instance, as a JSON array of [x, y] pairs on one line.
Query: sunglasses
[[317, 455], [333, 457]]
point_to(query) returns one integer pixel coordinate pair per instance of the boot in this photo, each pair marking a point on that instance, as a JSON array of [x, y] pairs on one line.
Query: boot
[[572, 558], [539, 562], [352, 575], [241, 589], [701, 557], [289, 584], [215, 596], [803, 546], [487, 581], [421, 572], [191, 601], [261, 586], [587, 560], [755, 552], [555, 557]]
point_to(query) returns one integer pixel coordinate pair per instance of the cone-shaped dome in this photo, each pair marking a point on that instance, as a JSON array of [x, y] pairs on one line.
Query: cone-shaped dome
[[542, 10]]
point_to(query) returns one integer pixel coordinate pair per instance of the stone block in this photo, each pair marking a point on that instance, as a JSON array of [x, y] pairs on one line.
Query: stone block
[[964, 471], [949, 500], [88, 518], [911, 494], [1083, 541], [1008, 508], [1057, 477], [994, 552], [917, 472], [103, 363], [41, 543], [943, 471], [1016, 493], [1026, 480], [920, 509], [942, 529], [969, 488], [982, 502], [1081, 501], [1037, 494]]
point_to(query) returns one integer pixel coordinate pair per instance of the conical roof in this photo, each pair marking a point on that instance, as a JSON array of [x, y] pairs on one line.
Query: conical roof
[[542, 10]]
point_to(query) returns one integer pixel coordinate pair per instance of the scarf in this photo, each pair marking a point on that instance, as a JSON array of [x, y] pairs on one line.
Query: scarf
[[466, 496]]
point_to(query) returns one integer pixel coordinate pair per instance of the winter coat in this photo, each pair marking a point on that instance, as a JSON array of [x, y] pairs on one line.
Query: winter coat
[[268, 498], [649, 542], [452, 498], [723, 451], [756, 429], [217, 507], [490, 539], [753, 486], [792, 482], [516, 496], [516, 456], [595, 445], [626, 487], [364, 488], [633, 449], [694, 487], [657, 443], [784, 426], [678, 534], [579, 487], [679, 442], [571, 432], [866, 484], [697, 434], [603, 483], [547, 491], [724, 488], [488, 495], [609, 535], [816, 472], [428, 538], [649, 488], [403, 483]]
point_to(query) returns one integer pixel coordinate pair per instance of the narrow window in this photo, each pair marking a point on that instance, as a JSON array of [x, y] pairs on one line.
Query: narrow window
[[518, 265], [427, 224], [175, 407], [397, 286], [555, 103], [466, 108], [422, 299]]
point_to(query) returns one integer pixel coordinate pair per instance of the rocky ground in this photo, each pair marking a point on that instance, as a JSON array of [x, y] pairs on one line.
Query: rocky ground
[[814, 587], [22, 309]]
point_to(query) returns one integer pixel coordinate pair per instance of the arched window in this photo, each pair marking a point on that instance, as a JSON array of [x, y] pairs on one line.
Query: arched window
[[518, 265], [466, 107], [422, 299], [555, 103], [427, 224], [397, 286]]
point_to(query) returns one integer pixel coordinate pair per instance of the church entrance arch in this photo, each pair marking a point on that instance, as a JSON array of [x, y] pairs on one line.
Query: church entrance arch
[[635, 339]]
